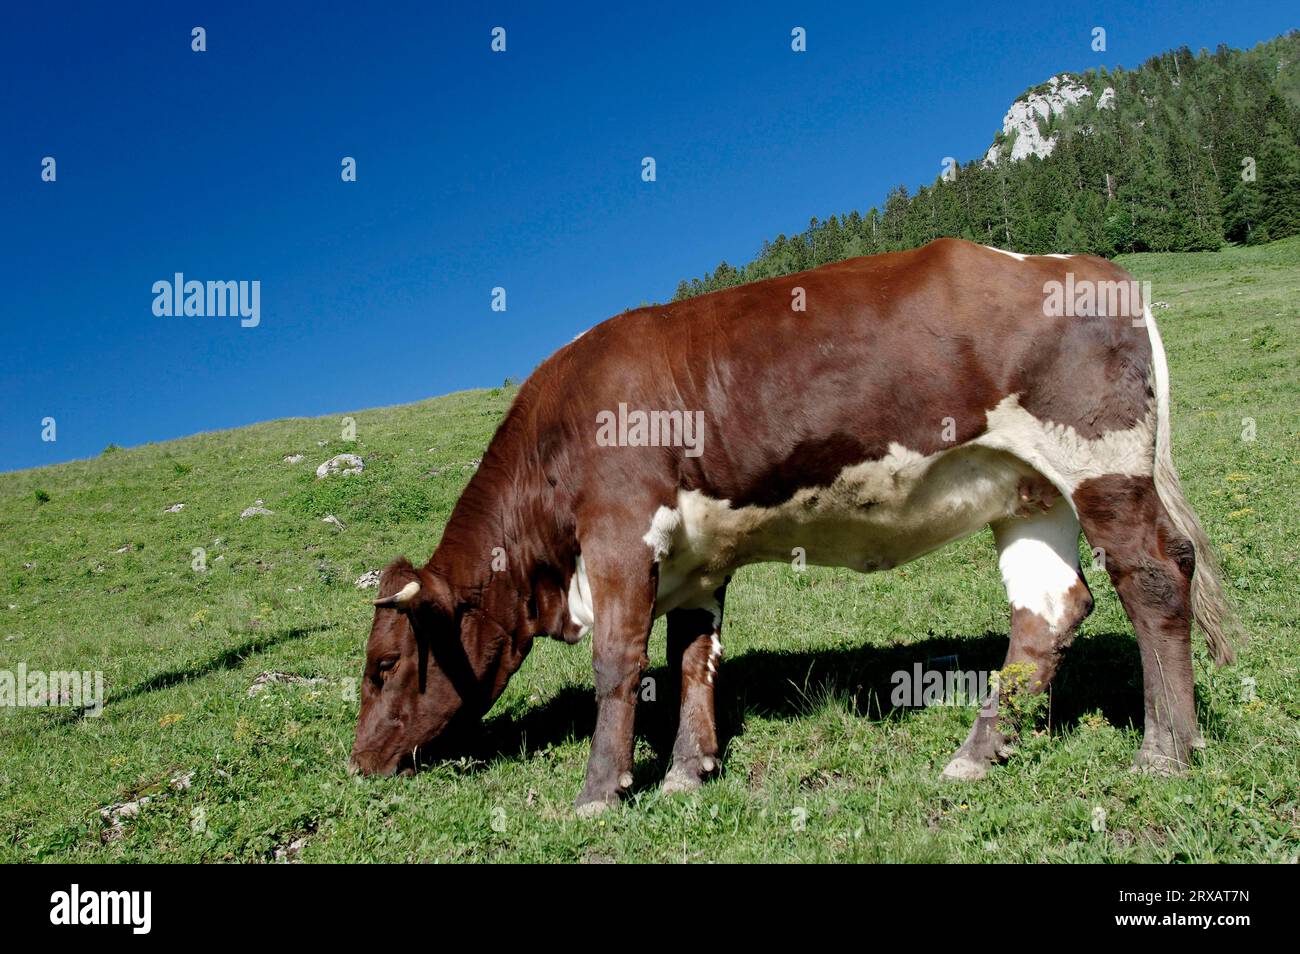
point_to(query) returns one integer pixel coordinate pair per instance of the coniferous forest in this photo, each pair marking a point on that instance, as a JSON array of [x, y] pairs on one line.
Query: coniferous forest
[[1192, 151]]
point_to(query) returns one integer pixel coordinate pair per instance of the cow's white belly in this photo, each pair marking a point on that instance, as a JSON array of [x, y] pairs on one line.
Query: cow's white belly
[[881, 513], [874, 516]]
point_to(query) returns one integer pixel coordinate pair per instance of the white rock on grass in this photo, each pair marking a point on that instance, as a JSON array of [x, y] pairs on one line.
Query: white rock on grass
[[293, 459], [266, 679], [289, 853], [117, 815], [344, 465], [175, 508], [257, 510], [369, 579], [330, 518]]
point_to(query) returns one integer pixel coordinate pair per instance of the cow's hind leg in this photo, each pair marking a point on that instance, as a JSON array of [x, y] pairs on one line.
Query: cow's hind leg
[[694, 651], [1151, 564], [1039, 559]]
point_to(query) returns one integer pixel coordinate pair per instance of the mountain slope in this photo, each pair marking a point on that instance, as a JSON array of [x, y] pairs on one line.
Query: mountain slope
[[1181, 154]]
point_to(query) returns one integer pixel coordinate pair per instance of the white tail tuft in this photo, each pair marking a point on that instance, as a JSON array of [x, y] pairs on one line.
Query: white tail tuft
[[1209, 603]]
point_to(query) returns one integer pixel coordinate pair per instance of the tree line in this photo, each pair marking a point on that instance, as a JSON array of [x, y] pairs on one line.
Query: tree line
[[1194, 151]]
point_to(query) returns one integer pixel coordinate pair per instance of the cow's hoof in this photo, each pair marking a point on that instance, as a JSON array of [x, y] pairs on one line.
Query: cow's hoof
[[1158, 765], [594, 799], [985, 745], [1161, 754], [677, 781], [1153, 762], [591, 809], [963, 769], [688, 776]]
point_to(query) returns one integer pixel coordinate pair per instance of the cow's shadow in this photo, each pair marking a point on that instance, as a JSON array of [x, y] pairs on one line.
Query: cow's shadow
[[1101, 672]]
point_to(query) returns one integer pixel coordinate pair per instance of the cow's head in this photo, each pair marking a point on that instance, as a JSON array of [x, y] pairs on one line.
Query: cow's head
[[433, 660]]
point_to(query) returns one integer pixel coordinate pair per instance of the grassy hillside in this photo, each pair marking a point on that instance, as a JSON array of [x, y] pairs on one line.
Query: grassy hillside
[[94, 574]]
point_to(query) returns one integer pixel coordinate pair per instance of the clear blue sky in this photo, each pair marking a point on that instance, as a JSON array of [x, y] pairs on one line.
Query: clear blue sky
[[475, 170]]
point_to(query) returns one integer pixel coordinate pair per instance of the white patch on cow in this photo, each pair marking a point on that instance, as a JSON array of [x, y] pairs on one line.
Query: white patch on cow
[[1039, 559], [581, 608], [715, 653], [1060, 454], [879, 514], [1020, 256], [663, 526], [875, 515]]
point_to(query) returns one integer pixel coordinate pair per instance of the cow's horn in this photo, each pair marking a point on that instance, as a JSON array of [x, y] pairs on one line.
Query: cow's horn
[[402, 598]]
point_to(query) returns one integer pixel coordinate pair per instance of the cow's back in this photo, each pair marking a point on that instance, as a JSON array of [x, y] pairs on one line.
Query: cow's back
[[909, 348]]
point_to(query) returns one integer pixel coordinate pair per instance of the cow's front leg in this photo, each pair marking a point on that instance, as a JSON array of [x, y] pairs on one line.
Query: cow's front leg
[[694, 651], [622, 590]]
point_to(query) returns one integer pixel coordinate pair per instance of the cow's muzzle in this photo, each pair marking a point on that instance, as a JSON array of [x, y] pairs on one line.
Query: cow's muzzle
[[373, 763]]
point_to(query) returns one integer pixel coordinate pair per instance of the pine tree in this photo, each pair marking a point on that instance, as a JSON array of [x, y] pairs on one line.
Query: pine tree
[[1279, 180], [891, 222], [1070, 235], [1243, 211]]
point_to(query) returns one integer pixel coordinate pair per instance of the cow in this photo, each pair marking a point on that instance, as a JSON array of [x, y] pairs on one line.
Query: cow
[[863, 413]]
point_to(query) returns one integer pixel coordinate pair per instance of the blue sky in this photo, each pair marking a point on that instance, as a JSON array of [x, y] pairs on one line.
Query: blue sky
[[474, 170]]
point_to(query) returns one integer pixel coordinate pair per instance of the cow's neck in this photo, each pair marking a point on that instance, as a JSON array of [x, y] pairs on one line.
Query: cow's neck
[[503, 548]]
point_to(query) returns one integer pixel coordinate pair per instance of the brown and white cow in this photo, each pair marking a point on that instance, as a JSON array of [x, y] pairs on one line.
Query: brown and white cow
[[868, 412]]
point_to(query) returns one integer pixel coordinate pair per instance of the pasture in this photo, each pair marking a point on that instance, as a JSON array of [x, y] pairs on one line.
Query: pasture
[[96, 574]]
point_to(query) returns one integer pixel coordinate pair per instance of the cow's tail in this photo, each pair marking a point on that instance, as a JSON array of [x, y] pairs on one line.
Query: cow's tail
[[1210, 604]]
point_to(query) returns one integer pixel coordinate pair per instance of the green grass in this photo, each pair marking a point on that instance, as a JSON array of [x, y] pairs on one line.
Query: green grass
[[817, 767]]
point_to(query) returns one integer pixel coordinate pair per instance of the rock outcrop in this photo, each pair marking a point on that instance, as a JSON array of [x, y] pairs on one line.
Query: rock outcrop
[[1020, 126]]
